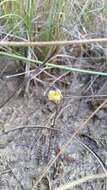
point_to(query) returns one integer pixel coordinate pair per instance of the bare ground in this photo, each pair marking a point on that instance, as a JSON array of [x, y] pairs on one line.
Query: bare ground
[[28, 140]]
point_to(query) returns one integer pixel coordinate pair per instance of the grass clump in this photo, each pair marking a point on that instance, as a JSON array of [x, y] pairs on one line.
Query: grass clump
[[33, 20]]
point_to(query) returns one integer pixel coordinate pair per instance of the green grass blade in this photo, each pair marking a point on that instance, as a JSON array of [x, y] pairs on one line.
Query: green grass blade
[[18, 57], [5, 1], [50, 65], [11, 15], [72, 69]]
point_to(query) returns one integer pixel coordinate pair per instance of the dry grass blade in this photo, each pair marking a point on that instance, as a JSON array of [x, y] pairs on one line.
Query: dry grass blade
[[95, 156], [51, 43], [79, 181], [67, 143]]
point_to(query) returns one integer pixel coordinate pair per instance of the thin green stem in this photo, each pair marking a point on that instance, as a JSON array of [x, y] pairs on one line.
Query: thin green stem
[[72, 69], [50, 65]]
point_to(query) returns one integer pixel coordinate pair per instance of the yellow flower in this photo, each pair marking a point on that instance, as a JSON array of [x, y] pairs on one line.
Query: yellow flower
[[55, 96]]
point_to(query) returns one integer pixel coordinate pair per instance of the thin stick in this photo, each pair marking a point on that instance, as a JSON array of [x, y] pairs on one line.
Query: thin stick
[[79, 181], [51, 43], [72, 136]]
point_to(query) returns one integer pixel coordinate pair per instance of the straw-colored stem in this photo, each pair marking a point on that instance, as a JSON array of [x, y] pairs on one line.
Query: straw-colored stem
[[79, 181], [51, 43]]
